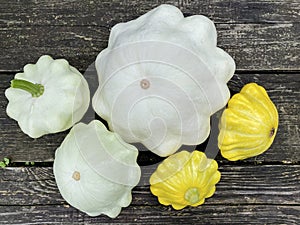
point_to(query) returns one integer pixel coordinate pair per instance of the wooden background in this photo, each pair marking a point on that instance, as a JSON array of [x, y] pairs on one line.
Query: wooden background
[[262, 37]]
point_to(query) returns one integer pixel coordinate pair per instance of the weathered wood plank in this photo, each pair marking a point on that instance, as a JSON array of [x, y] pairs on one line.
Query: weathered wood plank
[[262, 47], [107, 13], [260, 184], [240, 214], [283, 90], [253, 46]]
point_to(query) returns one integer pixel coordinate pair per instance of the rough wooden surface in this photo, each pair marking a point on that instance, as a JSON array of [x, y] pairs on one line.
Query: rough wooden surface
[[253, 46], [107, 13], [253, 191], [210, 214], [277, 184], [260, 35], [263, 38]]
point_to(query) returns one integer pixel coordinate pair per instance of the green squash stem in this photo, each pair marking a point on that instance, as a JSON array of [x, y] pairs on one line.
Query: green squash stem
[[36, 90]]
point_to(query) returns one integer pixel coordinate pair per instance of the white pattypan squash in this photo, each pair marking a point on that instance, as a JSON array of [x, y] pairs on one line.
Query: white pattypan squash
[[48, 97], [161, 78], [95, 170]]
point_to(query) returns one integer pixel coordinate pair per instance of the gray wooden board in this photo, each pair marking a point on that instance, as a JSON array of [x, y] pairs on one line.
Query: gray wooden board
[[252, 194], [278, 184], [262, 35], [253, 46], [210, 214], [283, 90], [107, 13]]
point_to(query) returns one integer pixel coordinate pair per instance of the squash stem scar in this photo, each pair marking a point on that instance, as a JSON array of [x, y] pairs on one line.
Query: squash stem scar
[[76, 176], [145, 84], [192, 195], [272, 132]]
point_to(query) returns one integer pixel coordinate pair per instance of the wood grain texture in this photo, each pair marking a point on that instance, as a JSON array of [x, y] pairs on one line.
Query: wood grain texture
[[107, 13], [282, 88], [78, 31], [260, 184], [239, 214], [253, 46], [263, 194]]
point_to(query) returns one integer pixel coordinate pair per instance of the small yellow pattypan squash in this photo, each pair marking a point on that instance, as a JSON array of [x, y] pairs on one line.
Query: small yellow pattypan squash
[[248, 125], [48, 97], [95, 170], [161, 78], [185, 179]]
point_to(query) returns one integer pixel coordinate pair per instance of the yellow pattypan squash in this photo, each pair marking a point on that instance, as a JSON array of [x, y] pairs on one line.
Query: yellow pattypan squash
[[185, 179], [248, 125]]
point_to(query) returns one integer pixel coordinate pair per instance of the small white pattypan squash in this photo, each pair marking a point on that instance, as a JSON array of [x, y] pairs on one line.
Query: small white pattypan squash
[[48, 97], [95, 170], [161, 78]]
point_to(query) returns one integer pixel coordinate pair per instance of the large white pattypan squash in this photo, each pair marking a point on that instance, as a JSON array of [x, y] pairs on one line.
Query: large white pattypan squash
[[48, 97], [161, 78], [95, 170]]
